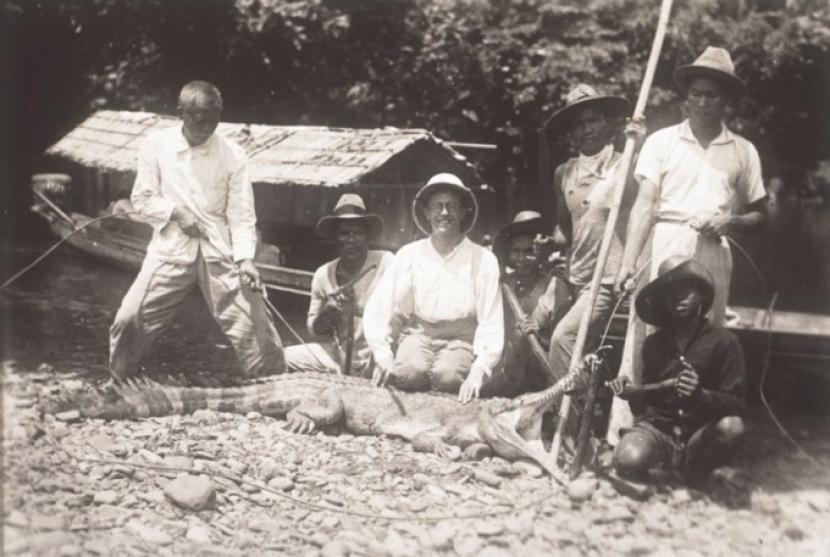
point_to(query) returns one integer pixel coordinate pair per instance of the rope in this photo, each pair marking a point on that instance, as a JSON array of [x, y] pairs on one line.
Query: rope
[[302, 502], [55, 246], [768, 351], [765, 368]]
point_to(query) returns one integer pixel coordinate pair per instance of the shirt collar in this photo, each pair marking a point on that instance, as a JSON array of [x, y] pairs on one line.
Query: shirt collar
[[725, 135], [597, 164], [181, 145]]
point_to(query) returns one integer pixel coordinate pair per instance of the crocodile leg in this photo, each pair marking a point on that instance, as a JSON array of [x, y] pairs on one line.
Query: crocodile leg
[[432, 441], [319, 413]]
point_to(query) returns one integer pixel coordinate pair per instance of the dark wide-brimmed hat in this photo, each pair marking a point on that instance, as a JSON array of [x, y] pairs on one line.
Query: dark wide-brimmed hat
[[585, 96], [715, 64], [444, 182], [349, 208], [650, 302], [525, 222]]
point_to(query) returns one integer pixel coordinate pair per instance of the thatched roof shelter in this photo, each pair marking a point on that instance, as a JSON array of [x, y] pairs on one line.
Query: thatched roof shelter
[[297, 171]]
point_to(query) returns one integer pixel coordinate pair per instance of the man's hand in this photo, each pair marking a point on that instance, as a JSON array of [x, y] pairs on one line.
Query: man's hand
[[618, 386], [471, 387], [687, 383], [711, 225], [249, 275], [624, 281], [187, 221], [636, 128], [527, 326], [383, 368]]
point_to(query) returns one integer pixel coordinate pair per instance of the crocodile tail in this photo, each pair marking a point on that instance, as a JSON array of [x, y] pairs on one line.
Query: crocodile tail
[[143, 398]]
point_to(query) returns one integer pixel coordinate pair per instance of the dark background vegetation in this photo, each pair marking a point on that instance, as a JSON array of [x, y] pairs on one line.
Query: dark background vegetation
[[468, 70]]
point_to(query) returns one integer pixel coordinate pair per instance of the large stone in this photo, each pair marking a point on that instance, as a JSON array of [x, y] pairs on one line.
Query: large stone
[[582, 489], [191, 492], [282, 483]]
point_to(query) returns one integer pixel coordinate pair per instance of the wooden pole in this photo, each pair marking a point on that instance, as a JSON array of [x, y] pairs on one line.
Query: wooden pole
[[533, 338], [611, 223]]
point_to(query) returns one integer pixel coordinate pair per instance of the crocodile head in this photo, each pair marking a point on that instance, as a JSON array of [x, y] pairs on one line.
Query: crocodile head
[[513, 428]]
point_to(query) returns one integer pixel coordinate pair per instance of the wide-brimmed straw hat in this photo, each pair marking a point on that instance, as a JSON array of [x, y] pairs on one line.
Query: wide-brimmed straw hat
[[715, 64], [525, 222], [349, 208], [585, 96], [444, 182], [650, 302]]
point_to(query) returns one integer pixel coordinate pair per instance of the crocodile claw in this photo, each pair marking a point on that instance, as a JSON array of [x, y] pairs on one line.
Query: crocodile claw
[[297, 423]]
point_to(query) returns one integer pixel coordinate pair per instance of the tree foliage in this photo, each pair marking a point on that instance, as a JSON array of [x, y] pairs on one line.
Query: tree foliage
[[470, 70]]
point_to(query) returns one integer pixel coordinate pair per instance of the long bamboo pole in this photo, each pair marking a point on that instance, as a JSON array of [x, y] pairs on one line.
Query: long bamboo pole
[[611, 223]]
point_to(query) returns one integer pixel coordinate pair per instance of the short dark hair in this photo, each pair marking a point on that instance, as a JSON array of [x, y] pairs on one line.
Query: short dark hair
[[200, 89]]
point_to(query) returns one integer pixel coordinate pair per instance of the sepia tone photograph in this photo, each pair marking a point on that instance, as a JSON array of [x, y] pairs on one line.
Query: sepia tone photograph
[[398, 278]]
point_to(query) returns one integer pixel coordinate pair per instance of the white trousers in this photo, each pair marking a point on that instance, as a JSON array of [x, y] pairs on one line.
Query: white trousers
[[157, 295]]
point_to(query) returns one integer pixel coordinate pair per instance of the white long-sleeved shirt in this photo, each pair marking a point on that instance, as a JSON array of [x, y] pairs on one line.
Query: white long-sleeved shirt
[[423, 285], [211, 180]]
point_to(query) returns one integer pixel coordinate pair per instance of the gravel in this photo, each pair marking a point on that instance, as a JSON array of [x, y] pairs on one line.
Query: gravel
[[57, 505]]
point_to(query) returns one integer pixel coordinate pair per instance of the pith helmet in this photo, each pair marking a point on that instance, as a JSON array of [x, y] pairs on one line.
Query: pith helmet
[[444, 182]]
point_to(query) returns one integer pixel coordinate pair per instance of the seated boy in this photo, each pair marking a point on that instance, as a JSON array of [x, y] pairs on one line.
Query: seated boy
[[688, 410], [542, 297]]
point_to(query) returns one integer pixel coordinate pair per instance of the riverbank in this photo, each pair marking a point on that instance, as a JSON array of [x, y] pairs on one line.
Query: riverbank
[[345, 495]]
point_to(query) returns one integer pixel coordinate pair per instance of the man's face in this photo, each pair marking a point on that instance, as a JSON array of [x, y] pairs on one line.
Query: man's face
[[199, 118], [521, 256], [352, 240], [444, 212], [683, 300], [705, 102], [590, 130]]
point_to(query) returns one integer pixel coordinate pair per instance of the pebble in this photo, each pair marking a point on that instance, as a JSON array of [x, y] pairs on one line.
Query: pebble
[[17, 519], [198, 534], [150, 534], [47, 522], [106, 497], [489, 527], [582, 489], [69, 551], [204, 416], [420, 480], [486, 477], [195, 493], [335, 549], [178, 462], [281, 482], [681, 496], [150, 457], [99, 547], [467, 545], [68, 416]]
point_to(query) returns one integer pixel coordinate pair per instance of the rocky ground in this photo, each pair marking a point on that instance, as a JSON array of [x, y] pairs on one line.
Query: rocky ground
[[338, 495]]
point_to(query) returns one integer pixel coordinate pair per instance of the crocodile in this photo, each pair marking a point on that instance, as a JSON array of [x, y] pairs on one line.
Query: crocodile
[[430, 421]]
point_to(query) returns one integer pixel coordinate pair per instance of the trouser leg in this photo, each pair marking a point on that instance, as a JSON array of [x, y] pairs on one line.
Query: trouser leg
[[564, 335], [451, 366], [413, 361], [152, 301], [710, 446], [313, 357], [241, 314]]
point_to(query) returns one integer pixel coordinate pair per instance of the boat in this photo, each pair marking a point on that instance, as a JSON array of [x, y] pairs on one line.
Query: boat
[[299, 171]]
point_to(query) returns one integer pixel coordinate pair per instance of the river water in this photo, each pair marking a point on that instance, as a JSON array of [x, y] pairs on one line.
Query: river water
[[59, 313]]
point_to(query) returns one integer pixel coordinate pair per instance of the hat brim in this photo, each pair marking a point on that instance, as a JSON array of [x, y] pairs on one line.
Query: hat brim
[[420, 200], [613, 105], [327, 226], [501, 243], [649, 302], [684, 74]]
